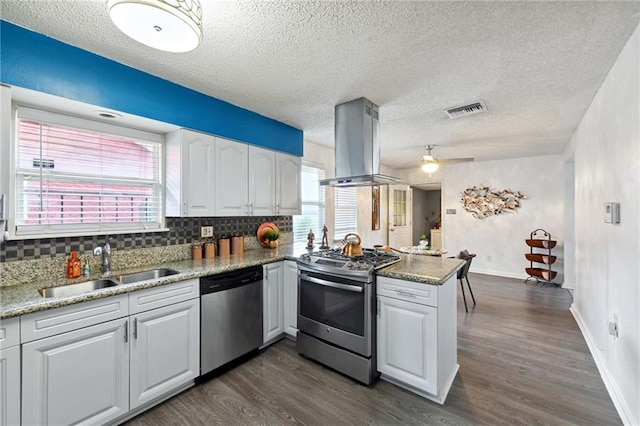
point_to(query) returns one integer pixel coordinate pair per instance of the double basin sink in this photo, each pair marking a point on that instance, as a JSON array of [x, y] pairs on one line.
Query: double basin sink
[[73, 289]]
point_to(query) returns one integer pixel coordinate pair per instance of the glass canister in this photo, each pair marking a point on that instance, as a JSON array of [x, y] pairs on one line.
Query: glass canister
[[196, 251], [237, 244], [224, 248], [209, 250]]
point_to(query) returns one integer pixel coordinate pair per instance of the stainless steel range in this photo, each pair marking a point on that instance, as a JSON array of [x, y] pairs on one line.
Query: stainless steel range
[[336, 310]]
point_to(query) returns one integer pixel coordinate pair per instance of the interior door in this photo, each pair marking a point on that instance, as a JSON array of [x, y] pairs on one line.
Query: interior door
[[400, 206]]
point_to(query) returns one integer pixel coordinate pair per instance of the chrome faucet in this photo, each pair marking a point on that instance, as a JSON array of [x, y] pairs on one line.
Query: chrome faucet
[[105, 251]]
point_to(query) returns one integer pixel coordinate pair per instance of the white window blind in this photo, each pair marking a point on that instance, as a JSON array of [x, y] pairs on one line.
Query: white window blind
[[75, 175], [346, 212], [313, 205]]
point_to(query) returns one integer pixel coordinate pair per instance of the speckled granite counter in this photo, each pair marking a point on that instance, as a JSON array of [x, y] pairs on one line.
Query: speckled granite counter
[[24, 298], [423, 269]]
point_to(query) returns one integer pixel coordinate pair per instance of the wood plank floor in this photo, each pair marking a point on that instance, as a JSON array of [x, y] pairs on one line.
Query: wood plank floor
[[522, 361]]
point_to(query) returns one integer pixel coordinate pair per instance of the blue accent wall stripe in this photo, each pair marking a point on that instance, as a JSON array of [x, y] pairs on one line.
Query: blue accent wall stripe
[[38, 62]]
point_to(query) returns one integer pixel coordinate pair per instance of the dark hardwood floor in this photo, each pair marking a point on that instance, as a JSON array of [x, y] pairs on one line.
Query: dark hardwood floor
[[522, 361]]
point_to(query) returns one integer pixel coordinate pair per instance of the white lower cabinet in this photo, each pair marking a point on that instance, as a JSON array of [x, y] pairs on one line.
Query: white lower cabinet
[[164, 350], [408, 342], [272, 302], [10, 371], [416, 337], [291, 298], [80, 376], [99, 373]]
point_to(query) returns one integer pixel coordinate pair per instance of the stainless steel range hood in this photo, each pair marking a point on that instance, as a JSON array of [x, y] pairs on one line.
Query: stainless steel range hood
[[357, 149]]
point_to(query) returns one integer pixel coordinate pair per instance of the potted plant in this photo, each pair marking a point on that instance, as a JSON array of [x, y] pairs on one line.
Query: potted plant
[[423, 243], [272, 236]]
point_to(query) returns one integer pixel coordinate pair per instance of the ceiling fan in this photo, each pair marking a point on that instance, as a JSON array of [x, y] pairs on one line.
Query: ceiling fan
[[431, 164]]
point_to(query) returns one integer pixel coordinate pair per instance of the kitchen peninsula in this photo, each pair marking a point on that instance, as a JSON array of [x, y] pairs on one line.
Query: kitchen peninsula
[[418, 292]]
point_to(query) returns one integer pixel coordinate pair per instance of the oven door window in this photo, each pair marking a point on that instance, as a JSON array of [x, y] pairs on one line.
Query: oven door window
[[331, 306]]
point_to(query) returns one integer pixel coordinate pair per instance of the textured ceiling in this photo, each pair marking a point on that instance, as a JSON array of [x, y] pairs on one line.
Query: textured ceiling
[[536, 65]]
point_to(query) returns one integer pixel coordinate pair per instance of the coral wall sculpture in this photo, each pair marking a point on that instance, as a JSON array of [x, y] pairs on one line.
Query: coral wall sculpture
[[481, 201]]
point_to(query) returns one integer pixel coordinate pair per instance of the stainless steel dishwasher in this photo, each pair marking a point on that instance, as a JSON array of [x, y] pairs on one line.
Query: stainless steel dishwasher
[[230, 316]]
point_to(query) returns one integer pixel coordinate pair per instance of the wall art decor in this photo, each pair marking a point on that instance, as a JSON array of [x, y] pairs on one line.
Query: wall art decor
[[482, 201], [375, 208]]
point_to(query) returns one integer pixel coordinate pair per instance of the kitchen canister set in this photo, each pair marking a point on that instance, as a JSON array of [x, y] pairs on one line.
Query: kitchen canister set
[[226, 247]]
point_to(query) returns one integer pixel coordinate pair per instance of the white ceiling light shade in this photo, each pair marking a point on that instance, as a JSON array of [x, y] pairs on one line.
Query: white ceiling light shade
[[169, 25], [429, 164]]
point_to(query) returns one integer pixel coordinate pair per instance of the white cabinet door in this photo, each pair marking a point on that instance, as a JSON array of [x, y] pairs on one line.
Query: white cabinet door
[[273, 300], [165, 350], [288, 199], [231, 178], [408, 343], [78, 376], [262, 175], [291, 298], [190, 174], [10, 386]]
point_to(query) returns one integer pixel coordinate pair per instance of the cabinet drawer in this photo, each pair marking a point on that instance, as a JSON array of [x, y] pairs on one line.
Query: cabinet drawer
[[60, 320], [157, 297], [424, 294], [9, 332]]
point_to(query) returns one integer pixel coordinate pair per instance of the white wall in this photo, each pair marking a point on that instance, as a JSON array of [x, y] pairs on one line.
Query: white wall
[[606, 148], [503, 237]]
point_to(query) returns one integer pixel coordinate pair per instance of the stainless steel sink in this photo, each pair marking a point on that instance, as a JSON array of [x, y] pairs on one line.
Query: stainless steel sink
[[143, 276], [73, 289]]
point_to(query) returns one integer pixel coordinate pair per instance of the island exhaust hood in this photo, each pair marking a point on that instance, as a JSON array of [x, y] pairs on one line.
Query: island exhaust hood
[[357, 150]]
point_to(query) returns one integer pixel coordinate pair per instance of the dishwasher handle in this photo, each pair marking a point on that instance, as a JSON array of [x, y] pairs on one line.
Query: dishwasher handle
[[229, 280]]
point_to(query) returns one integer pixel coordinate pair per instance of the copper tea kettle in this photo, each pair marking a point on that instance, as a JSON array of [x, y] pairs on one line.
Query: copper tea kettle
[[351, 248]]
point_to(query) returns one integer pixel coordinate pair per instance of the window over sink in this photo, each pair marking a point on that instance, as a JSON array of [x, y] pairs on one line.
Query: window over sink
[[75, 176]]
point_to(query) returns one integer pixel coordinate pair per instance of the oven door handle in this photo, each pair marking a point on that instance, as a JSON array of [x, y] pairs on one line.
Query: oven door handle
[[354, 288]]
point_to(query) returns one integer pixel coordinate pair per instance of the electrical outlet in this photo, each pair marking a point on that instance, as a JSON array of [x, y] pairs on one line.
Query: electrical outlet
[[206, 231], [614, 326], [488, 258]]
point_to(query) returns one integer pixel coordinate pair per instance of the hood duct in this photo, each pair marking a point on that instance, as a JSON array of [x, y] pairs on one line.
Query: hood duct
[[357, 149]]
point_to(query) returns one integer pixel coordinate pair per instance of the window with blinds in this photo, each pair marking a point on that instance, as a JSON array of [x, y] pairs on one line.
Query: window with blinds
[[346, 212], [313, 205], [75, 175]]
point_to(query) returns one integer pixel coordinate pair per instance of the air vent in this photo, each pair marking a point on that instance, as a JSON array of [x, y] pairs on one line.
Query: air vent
[[463, 111]]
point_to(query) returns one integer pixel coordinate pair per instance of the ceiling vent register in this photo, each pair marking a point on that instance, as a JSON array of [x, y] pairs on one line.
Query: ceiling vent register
[[465, 110]]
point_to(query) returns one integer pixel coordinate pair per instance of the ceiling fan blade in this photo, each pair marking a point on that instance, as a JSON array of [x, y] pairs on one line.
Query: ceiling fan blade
[[454, 160]]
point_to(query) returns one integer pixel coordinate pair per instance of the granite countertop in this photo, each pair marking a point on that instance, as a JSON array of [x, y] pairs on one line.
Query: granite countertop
[[422, 269], [424, 252], [24, 298]]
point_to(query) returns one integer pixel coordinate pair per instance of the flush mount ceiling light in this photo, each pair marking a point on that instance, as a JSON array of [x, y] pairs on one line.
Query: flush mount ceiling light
[[169, 25], [429, 164]]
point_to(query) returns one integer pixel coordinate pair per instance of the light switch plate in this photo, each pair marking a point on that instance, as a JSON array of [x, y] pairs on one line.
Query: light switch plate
[[206, 231]]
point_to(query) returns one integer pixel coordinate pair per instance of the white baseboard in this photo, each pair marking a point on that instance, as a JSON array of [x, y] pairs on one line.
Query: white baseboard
[[499, 273], [614, 391]]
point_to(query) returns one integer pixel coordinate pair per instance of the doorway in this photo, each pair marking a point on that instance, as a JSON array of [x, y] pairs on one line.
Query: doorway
[[427, 212]]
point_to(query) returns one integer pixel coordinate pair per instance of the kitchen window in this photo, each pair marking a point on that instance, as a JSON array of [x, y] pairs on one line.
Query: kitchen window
[[346, 212], [75, 176], [313, 205]]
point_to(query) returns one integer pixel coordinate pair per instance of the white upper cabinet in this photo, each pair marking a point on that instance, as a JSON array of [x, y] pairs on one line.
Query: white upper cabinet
[[288, 201], [262, 177], [231, 178], [212, 176], [190, 174]]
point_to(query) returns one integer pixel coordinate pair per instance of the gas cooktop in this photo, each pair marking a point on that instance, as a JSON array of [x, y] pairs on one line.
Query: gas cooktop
[[333, 261]]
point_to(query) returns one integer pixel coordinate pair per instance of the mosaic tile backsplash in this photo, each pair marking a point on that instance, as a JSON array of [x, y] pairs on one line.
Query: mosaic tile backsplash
[[181, 231]]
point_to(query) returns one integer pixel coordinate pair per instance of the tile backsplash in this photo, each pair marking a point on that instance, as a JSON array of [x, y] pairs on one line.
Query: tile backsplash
[[181, 231]]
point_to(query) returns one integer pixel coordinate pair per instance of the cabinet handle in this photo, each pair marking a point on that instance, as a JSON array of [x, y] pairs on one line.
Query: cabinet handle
[[251, 209], [135, 328], [186, 203], [126, 331], [405, 293], [277, 209], [378, 309]]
